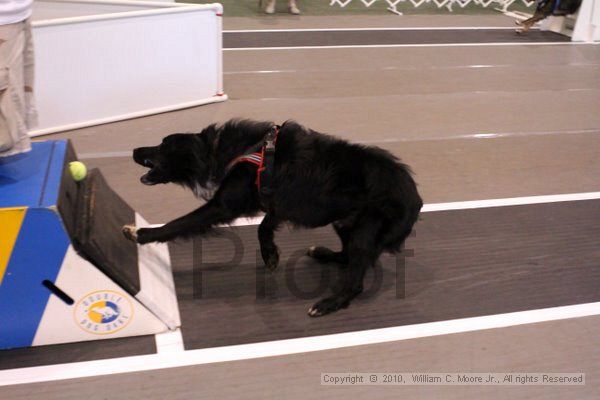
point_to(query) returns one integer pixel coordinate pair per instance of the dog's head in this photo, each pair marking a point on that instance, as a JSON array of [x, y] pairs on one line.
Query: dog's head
[[180, 158]]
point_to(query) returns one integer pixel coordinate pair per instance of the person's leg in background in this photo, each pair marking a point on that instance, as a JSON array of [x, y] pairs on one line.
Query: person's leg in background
[[31, 116], [17, 112], [292, 7]]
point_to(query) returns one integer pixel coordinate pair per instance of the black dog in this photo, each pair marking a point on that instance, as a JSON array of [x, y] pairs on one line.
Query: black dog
[[365, 192], [546, 8]]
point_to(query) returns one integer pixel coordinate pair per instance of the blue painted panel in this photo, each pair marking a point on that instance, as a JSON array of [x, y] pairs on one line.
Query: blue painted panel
[[26, 178], [37, 255]]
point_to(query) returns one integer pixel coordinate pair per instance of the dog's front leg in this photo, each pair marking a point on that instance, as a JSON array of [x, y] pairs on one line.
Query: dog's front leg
[[236, 197], [268, 248], [195, 223]]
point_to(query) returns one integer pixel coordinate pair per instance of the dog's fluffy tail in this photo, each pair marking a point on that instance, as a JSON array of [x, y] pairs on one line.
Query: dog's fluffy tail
[[396, 231], [399, 204]]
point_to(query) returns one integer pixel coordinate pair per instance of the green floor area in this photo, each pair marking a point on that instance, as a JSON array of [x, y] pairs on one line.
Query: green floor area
[[250, 8]]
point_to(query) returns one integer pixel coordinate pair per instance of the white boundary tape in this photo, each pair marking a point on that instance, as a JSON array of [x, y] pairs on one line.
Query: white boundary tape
[[513, 201], [289, 346], [384, 45], [488, 135], [465, 205], [407, 28], [378, 46]]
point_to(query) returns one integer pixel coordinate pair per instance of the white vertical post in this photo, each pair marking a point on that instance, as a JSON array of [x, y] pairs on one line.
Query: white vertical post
[[587, 26]]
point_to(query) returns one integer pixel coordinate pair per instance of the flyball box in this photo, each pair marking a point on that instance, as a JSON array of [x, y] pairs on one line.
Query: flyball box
[[67, 274]]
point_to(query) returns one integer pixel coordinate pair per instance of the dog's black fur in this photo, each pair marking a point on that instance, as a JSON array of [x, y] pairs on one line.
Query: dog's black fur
[[365, 192], [546, 8]]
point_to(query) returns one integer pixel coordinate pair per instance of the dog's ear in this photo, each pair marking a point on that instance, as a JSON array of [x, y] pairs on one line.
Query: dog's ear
[[207, 133], [200, 139], [201, 153], [201, 144]]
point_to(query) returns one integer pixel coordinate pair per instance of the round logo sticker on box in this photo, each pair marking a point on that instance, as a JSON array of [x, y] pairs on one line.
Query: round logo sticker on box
[[103, 312]]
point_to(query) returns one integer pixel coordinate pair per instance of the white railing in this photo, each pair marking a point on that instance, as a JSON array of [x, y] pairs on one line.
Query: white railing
[[393, 4]]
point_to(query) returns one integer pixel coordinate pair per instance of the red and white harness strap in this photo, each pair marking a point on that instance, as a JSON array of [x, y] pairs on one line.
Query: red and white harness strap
[[254, 158], [258, 158]]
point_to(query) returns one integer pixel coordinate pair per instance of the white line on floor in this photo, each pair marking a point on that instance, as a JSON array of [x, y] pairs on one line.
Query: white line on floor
[[393, 96], [482, 135], [465, 205], [406, 68], [289, 346], [512, 201], [377, 46], [419, 28]]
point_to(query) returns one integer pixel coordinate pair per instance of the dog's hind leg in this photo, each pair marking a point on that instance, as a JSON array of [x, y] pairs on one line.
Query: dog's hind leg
[[525, 26], [268, 248], [363, 252], [326, 255]]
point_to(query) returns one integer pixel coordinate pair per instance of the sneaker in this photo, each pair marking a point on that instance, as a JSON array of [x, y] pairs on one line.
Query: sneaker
[[293, 8], [270, 9]]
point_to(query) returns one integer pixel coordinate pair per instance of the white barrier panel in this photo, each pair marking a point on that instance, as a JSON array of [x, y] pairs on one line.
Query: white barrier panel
[[112, 60]]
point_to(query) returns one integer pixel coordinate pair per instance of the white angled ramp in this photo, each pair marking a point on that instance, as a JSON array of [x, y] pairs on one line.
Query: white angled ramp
[[156, 280]]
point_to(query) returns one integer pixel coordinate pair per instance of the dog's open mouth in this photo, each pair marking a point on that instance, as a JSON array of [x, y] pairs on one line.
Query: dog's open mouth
[[145, 179]]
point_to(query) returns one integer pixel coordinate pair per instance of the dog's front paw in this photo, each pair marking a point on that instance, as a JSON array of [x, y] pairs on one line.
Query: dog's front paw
[[271, 259], [130, 232], [521, 28], [325, 255], [313, 251], [327, 306], [321, 254]]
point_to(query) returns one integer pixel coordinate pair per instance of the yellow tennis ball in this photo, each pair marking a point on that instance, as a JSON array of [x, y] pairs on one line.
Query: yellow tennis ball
[[78, 170]]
